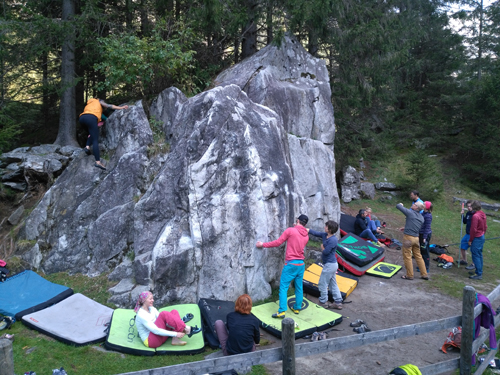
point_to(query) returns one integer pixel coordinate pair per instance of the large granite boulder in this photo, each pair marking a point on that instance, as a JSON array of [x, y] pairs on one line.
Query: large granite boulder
[[240, 168]]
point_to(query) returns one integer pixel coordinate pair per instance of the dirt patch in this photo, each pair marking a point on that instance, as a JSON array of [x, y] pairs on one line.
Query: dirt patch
[[382, 303]]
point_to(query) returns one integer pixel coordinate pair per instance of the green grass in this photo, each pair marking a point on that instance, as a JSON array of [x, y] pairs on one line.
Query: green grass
[[37, 352]]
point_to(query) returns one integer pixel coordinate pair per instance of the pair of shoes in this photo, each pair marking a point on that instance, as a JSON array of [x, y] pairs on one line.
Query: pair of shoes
[[424, 277], [337, 306], [186, 318], [322, 336], [194, 331], [463, 263], [470, 267], [357, 323], [315, 336], [476, 277], [362, 329], [325, 305], [87, 151], [279, 315], [447, 265], [404, 277], [7, 336], [295, 311], [100, 166]]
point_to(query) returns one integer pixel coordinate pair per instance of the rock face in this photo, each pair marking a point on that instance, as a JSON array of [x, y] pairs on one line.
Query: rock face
[[27, 166], [245, 159], [351, 184]]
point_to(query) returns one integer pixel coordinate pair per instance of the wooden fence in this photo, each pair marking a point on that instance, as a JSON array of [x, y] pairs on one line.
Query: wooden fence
[[289, 350]]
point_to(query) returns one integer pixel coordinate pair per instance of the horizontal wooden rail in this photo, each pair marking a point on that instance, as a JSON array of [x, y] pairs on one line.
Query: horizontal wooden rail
[[483, 366], [304, 349], [440, 367]]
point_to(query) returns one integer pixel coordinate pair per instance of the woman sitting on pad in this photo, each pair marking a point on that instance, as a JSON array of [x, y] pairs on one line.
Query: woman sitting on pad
[[243, 329], [155, 328]]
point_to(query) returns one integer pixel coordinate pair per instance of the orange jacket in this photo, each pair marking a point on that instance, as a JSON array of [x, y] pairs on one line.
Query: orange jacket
[[93, 107]]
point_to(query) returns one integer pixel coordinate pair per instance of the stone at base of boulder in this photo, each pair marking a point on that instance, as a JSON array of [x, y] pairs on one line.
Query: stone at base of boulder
[[16, 216]]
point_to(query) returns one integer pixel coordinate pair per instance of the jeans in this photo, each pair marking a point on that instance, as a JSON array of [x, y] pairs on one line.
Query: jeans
[[476, 250], [367, 233], [328, 280], [293, 270], [90, 122]]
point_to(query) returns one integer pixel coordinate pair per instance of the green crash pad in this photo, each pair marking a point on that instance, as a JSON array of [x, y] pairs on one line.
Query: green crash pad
[[311, 318], [123, 336], [385, 270]]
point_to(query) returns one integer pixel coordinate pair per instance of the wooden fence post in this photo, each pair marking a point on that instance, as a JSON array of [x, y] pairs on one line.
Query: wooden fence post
[[469, 296], [6, 357], [288, 346]]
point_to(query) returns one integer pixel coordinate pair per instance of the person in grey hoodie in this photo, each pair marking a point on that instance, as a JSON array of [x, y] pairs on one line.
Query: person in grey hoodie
[[411, 245]]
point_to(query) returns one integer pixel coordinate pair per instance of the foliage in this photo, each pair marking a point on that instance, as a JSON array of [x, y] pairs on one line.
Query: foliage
[[9, 131], [420, 172], [137, 62]]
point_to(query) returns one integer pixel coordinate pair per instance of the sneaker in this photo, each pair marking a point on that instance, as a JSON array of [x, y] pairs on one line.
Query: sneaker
[[463, 263], [362, 329], [279, 315], [295, 311], [325, 305], [357, 323], [476, 277], [470, 267], [337, 306]]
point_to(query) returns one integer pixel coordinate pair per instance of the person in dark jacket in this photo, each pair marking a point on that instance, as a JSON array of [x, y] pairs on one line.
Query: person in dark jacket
[[328, 278], [242, 331], [478, 229], [425, 234], [361, 228], [464, 243]]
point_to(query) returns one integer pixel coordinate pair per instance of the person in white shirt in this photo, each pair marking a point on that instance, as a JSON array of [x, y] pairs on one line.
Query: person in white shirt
[[155, 328]]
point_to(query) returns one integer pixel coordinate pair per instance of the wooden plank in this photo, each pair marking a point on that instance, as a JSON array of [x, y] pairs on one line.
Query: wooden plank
[[441, 367], [483, 366], [6, 357], [354, 341], [469, 297], [288, 346], [216, 364], [495, 294]]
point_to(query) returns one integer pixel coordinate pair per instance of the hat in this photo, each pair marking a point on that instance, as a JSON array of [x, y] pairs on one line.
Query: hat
[[427, 205], [303, 219]]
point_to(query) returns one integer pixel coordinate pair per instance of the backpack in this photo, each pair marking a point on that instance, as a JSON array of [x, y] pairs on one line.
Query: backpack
[[443, 258], [454, 339], [436, 249]]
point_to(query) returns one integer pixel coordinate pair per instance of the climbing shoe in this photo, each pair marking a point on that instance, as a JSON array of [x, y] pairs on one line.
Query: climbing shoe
[[295, 311], [194, 330], [280, 315]]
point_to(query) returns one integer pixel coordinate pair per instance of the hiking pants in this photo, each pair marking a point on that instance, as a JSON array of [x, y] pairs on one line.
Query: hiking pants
[[328, 280], [424, 249], [476, 250], [293, 270], [411, 246], [90, 122], [169, 320]]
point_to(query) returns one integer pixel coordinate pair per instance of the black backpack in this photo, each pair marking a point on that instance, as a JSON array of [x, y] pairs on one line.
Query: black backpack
[[439, 250]]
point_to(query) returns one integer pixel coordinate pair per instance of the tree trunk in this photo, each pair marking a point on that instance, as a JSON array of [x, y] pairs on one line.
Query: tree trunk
[[249, 42], [67, 122]]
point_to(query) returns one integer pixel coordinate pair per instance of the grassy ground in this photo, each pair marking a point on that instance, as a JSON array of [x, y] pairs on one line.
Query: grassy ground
[[40, 353]]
